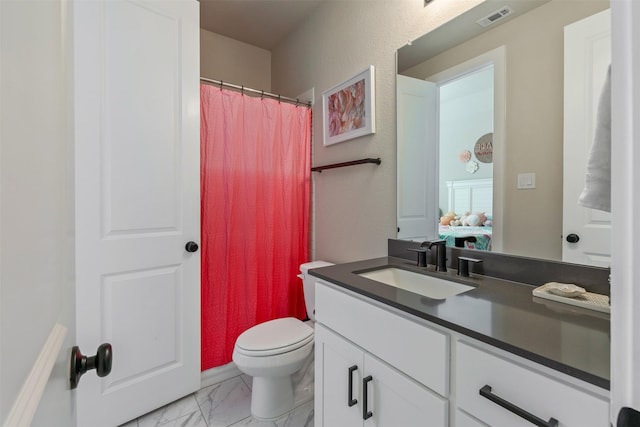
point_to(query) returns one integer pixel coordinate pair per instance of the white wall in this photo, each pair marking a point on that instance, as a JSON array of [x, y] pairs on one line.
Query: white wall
[[36, 207], [466, 113], [232, 61], [625, 198], [355, 206]]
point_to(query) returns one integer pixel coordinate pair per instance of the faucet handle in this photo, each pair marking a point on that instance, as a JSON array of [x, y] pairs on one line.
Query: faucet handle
[[459, 241], [463, 265], [422, 256]]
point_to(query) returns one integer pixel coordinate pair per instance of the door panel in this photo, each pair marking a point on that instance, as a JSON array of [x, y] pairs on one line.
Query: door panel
[[142, 127], [154, 333], [417, 162], [136, 124], [587, 58]]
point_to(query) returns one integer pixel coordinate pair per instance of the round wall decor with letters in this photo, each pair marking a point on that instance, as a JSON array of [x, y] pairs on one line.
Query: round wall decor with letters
[[484, 148]]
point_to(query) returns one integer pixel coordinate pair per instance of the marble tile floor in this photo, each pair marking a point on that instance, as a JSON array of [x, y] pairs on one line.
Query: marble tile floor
[[228, 404]]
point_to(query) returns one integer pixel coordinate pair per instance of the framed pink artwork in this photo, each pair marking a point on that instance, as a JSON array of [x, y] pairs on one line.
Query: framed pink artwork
[[348, 109]]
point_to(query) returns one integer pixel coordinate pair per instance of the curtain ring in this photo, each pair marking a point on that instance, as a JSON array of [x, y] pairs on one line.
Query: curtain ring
[[242, 90], [279, 99], [297, 102], [221, 83], [262, 95]]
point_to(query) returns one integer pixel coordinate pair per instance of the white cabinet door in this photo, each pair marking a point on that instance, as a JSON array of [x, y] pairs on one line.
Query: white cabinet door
[[465, 420], [136, 130], [354, 388], [338, 363], [395, 400]]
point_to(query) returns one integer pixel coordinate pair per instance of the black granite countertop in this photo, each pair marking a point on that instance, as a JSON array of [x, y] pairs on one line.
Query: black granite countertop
[[502, 313]]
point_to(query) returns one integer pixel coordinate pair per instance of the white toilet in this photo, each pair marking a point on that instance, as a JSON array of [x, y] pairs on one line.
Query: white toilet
[[272, 351]]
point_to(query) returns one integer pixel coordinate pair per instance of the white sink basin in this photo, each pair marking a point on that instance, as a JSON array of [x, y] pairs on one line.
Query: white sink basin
[[428, 286]]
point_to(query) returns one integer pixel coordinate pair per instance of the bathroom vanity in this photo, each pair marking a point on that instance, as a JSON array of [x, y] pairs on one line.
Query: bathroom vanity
[[490, 356]]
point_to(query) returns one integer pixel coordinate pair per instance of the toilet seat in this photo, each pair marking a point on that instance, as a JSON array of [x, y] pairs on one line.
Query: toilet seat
[[273, 337]]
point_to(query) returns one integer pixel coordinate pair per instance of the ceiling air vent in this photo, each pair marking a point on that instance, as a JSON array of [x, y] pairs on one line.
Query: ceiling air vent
[[496, 16]]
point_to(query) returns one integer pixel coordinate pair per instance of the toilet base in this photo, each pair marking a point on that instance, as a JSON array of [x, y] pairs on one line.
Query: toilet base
[[271, 397]]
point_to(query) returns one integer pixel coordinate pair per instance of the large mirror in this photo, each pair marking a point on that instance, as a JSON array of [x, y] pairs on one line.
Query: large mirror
[[497, 121]]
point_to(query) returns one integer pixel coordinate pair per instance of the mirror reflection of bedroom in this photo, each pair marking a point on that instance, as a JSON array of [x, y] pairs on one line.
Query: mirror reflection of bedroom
[[465, 156], [547, 85], [459, 106]]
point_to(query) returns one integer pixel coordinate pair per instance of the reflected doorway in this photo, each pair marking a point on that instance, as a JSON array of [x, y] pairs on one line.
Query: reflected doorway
[[465, 159], [440, 170]]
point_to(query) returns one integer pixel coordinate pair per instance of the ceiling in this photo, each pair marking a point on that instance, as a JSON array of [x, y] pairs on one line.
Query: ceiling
[[462, 28], [261, 23]]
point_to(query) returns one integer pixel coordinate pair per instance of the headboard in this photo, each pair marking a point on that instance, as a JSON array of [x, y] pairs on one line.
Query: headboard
[[471, 195]]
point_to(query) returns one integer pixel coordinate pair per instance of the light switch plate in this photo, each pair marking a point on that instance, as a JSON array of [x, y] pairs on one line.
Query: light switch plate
[[526, 181]]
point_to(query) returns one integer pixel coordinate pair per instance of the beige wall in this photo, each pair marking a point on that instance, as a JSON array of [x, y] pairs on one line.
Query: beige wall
[[355, 206], [229, 60], [534, 130]]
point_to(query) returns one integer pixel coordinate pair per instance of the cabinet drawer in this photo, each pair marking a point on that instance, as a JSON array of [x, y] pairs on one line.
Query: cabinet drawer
[[531, 391], [415, 349]]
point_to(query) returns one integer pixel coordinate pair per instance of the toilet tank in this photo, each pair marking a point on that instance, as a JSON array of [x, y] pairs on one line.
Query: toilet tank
[[309, 285]]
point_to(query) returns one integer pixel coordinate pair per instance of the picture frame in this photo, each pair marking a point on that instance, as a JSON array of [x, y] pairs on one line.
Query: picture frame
[[348, 109]]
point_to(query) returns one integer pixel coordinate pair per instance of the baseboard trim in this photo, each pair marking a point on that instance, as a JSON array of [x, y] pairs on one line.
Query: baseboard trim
[[218, 374], [25, 406]]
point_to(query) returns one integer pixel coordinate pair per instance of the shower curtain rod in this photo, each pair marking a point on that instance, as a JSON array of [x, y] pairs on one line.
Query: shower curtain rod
[[256, 91]]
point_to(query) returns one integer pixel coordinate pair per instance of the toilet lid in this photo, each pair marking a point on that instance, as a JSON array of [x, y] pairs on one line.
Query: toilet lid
[[275, 336]]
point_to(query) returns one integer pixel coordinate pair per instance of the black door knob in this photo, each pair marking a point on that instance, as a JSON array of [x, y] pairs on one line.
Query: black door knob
[[573, 238], [191, 246], [80, 363], [628, 417]]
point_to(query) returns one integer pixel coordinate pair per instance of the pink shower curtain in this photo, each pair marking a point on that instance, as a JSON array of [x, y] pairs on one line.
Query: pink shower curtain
[[255, 186]]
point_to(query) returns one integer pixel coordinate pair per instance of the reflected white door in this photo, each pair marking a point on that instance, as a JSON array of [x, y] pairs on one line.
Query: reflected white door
[[587, 58], [136, 125], [417, 158]]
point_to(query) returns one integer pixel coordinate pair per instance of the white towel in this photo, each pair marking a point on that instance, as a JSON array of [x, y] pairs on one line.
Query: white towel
[[597, 189]]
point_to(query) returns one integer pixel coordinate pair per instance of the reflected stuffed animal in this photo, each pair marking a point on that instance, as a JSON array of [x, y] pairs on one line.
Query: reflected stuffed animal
[[448, 218], [476, 220]]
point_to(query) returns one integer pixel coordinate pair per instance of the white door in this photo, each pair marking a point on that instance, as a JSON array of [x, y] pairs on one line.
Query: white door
[[587, 58], [417, 158], [136, 124]]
